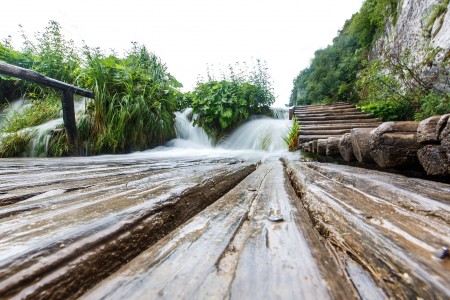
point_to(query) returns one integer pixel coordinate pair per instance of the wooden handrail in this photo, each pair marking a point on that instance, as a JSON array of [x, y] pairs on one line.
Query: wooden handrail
[[35, 77], [67, 92]]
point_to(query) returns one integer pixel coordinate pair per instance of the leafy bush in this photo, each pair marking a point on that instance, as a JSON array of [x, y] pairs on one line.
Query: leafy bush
[[388, 110], [433, 104], [222, 105], [135, 96]]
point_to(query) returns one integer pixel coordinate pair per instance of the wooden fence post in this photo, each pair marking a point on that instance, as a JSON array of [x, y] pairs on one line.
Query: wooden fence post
[[67, 91], [68, 108]]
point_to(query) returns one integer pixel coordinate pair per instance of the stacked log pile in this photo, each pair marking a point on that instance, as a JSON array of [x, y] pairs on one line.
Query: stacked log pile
[[434, 133], [400, 145], [324, 121]]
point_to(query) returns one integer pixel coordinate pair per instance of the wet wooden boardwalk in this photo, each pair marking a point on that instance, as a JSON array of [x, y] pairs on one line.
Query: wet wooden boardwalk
[[219, 228]]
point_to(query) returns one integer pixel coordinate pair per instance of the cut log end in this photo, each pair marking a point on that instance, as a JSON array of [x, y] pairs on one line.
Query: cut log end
[[435, 159], [346, 148]]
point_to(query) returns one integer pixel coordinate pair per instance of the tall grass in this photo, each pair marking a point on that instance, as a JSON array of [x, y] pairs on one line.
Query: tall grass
[[291, 139], [135, 96]]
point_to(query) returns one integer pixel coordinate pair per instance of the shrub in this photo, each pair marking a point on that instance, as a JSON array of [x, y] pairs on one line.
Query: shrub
[[221, 105]]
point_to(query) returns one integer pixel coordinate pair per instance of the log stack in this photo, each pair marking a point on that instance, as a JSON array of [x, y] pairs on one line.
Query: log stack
[[434, 135], [399, 145], [325, 121]]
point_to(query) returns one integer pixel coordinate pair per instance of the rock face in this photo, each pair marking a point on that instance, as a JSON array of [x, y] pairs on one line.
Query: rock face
[[412, 18], [418, 31]]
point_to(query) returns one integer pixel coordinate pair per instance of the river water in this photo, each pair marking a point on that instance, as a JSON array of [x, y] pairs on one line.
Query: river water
[[258, 139]]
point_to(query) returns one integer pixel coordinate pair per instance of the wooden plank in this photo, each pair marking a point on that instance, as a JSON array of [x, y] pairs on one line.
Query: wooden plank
[[253, 243], [70, 122], [35, 77], [81, 220], [390, 224]]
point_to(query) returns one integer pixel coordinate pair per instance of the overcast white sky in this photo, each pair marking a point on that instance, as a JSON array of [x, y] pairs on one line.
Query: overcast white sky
[[189, 34]]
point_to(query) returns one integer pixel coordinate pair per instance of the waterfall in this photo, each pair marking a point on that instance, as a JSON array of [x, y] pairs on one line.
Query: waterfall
[[188, 134], [280, 112], [40, 134], [260, 134]]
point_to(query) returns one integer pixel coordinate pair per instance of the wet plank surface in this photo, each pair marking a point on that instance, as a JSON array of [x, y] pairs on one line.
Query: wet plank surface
[[249, 244], [219, 228], [392, 225], [65, 221]]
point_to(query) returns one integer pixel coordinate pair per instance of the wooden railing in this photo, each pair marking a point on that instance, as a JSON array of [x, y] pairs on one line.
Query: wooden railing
[[67, 93]]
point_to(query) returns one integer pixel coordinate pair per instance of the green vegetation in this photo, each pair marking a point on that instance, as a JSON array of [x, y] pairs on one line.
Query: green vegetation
[[222, 105], [12, 145], [135, 96], [393, 86], [291, 139], [436, 11]]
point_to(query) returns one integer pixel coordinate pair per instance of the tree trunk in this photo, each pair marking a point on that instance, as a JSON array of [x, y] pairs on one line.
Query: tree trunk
[[430, 129], [322, 147]]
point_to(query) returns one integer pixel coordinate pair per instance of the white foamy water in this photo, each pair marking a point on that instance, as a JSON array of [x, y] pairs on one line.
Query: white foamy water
[[41, 134], [258, 139], [189, 134], [261, 134]]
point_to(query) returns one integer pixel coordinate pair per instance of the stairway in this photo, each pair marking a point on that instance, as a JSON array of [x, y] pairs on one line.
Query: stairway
[[324, 121]]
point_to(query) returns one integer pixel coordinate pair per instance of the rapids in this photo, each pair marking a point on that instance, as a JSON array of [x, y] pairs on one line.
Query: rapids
[[259, 138]]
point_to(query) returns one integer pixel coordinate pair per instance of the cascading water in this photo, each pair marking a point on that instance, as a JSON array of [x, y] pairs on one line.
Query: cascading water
[[260, 134], [188, 134], [40, 134], [259, 138]]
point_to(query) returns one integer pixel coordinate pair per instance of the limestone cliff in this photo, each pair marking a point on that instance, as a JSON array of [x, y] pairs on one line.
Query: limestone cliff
[[421, 27]]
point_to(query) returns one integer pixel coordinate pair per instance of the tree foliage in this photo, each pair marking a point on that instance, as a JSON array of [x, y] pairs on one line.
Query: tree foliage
[[395, 86]]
